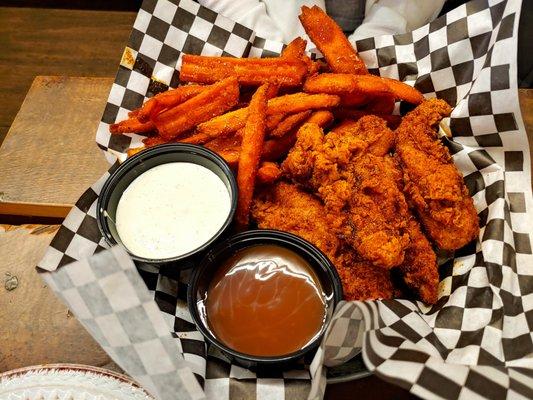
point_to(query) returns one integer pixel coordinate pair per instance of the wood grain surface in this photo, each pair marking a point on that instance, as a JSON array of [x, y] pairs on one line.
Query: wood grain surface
[[55, 42], [35, 327], [49, 156]]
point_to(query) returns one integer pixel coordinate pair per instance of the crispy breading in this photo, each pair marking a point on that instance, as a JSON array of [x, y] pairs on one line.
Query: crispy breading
[[433, 184], [268, 172], [377, 212], [354, 114], [286, 207], [419, 269], [355, 183]]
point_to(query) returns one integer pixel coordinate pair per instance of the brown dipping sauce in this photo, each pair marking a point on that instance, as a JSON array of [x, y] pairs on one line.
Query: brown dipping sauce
[[265, 300]]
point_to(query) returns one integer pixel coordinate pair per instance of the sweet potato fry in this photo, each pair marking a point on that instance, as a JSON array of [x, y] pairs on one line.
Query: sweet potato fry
[[226, 143], [197, 138], [213, 101], [289, 103], [366, 84], [251, 149], [331, 41], [297, 102], [168, 99], [295, 49], [268, 172], [343, 84], [313, 67], [274, 120], [224, 124], [280, 71], [154, 141], [131, 125], [230, 156], [289, 123], [402, 91], [321, 117]]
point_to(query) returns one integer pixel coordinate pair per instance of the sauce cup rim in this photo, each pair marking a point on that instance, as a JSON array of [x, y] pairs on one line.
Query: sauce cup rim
[[154, 152]]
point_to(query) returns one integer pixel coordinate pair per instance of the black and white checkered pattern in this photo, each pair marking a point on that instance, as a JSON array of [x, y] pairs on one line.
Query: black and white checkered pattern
[[483, 321], [108, 297]]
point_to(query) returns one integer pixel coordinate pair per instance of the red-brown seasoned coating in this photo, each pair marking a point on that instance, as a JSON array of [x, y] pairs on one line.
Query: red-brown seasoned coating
[[433, 184]]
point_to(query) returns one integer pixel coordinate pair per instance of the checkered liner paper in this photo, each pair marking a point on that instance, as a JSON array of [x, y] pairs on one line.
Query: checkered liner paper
[[476, 342]]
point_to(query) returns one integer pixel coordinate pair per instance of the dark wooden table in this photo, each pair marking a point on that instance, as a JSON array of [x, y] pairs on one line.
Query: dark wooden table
[[79, 43]]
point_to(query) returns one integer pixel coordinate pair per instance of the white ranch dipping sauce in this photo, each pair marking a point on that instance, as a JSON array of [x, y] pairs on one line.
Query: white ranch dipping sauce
[[171, 209]]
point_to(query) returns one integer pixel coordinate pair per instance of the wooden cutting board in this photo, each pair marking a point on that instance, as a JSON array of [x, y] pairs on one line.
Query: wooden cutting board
[[49, 156], [35, 326]]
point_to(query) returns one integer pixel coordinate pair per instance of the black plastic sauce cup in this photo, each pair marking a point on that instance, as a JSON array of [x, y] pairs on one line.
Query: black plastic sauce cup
[[203, 274], [141, 162]]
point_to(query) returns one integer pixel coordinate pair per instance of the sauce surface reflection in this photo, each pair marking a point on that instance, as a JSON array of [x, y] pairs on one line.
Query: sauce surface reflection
[[265, 300]]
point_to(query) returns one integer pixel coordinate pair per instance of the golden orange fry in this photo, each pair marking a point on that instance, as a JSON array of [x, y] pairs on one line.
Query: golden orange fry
[[403, 91], [345, 84], [295, 49], [249, 71], [273, 120], [290, 122], [213, 101], [197, 138], [168, 99], [331, 41], [251, 149], [321, 117], [289, 103], [131, 125], [366, 84]]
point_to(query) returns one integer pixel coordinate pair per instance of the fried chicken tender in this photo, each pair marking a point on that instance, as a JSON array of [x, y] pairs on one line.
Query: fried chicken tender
[[419, 269], [378, 212], [288, 208], [349, 170], [433, 184]]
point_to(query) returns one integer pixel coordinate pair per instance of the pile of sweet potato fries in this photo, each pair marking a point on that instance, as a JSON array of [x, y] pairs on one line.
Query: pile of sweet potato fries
[[248, 110]]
